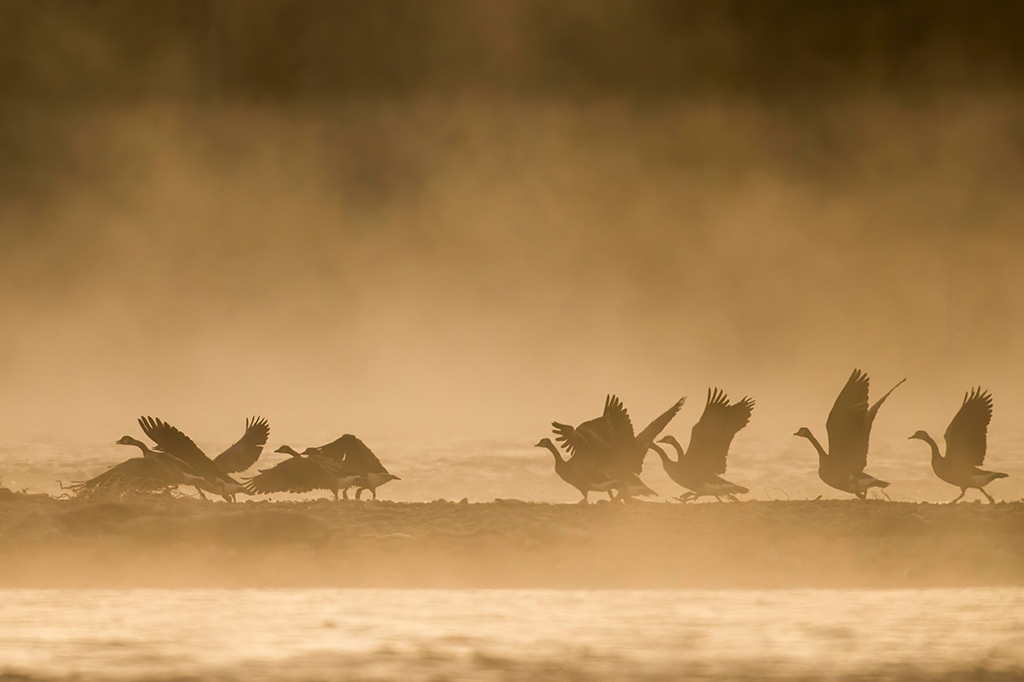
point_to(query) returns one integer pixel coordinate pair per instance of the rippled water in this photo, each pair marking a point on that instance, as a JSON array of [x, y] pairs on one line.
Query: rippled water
[[510, 634]]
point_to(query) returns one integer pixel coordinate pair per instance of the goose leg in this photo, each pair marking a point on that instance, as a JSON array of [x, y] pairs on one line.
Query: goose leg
[[963, 491], [861, 495], [200, 491], [359, 491], [344, 493], [335, 495], [991, 501], [611, 495], [374, 493]]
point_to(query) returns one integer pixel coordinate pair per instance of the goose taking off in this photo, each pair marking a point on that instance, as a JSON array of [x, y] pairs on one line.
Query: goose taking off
[[966, 441], [610, 444], [698, 470], [849, 429], [359, 460], [167, 466], [579, 472], [172, 441], [301, 473], [143, 474]]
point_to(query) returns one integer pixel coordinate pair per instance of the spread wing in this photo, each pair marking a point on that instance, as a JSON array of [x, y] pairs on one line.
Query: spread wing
[[293, 475], [712, 435], [247, 449], [619, 425], [847, 424], [354, 454], [654, 429], [174, 442], [966, 436], [139, 473]]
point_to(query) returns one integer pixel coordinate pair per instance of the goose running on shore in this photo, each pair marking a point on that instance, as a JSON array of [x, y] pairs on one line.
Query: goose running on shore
[[698, 470], [302, 473], [849, 430], [579, 472], [240, 456], [611, 445], [966, 442]]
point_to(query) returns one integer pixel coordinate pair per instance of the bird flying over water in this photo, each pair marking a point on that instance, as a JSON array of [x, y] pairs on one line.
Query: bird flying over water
[[849, 429], [698, 469], [966, 441]]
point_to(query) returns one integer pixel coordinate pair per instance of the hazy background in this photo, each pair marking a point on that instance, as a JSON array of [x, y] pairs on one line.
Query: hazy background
[[437, 223]]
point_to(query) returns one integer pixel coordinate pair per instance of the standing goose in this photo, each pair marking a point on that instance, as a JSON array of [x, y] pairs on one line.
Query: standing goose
[[966, 442], [579, 472], [849, 428], [172, 441], [359, 460], [301, 473], [698, 470]]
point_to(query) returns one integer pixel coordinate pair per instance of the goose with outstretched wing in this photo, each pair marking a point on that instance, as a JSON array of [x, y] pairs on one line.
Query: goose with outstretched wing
[[172, 441], [358, 459], [849, 431], [699, 468], [302, 473], [966, 442]]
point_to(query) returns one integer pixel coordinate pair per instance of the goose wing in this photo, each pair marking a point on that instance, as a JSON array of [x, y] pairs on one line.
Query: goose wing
[[847, 424], [654, 429], [174, 442], [712, 435], [293, 475], [356, 457], [247, 449], [139, 473], [966, 437]]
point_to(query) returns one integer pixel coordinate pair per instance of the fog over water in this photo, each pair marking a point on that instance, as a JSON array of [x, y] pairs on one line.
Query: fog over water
[[462, 248]]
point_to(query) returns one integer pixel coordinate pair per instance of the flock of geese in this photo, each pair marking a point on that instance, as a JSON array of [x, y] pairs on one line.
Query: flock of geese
[[605, 455], [176, 460]]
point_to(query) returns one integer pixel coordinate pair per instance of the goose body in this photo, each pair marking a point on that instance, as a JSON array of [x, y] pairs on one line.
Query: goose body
[[849, 430], [966, 442], [578, 472], [699, 469]]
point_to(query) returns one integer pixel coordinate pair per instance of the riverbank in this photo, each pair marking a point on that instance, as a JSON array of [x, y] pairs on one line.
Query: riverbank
[[171, 542]]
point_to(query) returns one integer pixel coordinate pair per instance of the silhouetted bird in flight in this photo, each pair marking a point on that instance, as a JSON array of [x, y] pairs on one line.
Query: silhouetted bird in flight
[[609, 442], [579, 472], [698, 469], [240, 456], [849, 429], [304, 472], [966, 442]]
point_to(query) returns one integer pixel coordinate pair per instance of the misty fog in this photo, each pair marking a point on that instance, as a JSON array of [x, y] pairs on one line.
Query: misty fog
[[451, 257]]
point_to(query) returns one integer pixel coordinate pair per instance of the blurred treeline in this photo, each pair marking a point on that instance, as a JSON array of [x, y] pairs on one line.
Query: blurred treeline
[[287, 50]]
